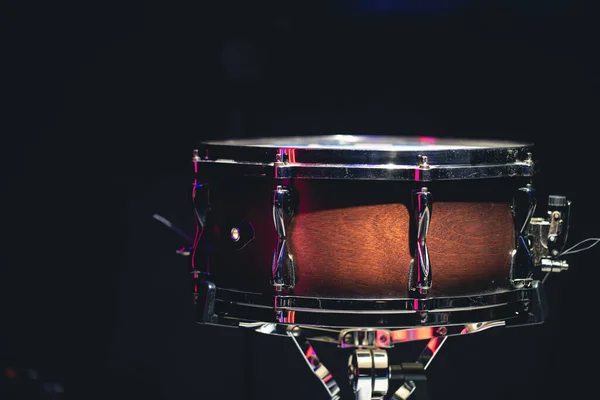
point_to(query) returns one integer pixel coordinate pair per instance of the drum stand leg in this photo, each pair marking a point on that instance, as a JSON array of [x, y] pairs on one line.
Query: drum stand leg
[[411, 373], [370, 372], [311, 358]]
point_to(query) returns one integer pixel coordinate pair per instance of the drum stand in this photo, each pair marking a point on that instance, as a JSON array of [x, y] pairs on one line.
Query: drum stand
[[370, 373]]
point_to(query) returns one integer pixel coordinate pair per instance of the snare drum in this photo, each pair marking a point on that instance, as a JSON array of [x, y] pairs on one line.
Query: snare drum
[[361, 231]]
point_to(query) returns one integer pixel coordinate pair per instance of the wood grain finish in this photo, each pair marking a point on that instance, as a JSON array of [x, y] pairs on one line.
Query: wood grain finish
[[351, 238], [352, 251]]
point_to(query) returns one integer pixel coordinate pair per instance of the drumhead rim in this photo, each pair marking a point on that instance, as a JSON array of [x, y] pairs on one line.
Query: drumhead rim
[[367, 161], [350, 142]]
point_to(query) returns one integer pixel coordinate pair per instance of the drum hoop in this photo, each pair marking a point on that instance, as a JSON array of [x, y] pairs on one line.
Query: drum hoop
[[232, 305], [427, 164], [228, 168]]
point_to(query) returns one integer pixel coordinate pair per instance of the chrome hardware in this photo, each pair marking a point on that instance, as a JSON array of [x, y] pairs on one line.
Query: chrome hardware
[[549, 265], [366, 157], [539, 230], [419, 280], [200, 249], [239, 234], [559, 210], [508, 305], [365, 338], [548, 236], [368, 371], [404, 391], [423, 162], [411, 372], [234, 234], [316, 366], [429, 352], [196, 156], [200, 253], [397, 336], [283, 275], [206, 295], [279, 160], [523, 208]]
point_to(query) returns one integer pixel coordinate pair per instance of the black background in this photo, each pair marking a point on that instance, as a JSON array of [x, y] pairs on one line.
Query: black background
[[104, 101]]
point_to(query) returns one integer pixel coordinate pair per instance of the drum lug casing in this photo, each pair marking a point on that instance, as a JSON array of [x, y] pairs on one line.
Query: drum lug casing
[[283, 274], [420, 274]]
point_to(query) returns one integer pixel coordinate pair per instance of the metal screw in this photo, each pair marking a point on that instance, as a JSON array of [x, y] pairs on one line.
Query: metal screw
[[278, 159], [296, 331], [348, 338], [234, 234]]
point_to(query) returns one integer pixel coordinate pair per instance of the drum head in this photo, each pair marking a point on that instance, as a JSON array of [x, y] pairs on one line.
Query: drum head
[[363, 142], [367, 157]]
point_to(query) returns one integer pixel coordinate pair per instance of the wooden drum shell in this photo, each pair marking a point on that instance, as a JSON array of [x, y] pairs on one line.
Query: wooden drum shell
[[352, 238]]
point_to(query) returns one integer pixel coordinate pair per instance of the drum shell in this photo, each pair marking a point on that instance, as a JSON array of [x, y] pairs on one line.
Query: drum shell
[[354, 238]]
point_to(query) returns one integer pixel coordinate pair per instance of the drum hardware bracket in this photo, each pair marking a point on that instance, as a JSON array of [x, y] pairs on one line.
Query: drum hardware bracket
[[370, 372], [521, 260], [313, 361], [199, 252], [207, 295], [279, 161], [419, 279], [423, 162], [283, 276], [366, 338], [547, 236]]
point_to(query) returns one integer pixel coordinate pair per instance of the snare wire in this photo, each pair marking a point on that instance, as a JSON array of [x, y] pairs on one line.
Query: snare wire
[[529, 214], [571, 250], [545, 277]]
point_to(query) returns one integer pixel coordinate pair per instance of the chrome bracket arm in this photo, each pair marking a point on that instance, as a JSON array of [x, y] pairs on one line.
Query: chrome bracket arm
[[420, 274], [283, 277], [412, 372], [312, 360]]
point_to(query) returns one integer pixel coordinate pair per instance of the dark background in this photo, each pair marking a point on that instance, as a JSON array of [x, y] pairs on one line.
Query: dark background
[[104, 101]]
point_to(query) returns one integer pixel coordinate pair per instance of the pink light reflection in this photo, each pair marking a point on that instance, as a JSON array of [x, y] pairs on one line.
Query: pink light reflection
[[310, 352], [427, 139]]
